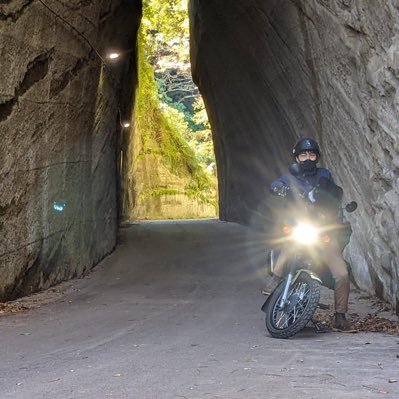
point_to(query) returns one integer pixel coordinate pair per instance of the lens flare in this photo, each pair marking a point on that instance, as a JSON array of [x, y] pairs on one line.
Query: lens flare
[[287, 230], [326, 238], [59, 206]]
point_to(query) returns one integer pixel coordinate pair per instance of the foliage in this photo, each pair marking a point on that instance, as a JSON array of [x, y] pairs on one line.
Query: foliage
[[166, 30], [163, 131], [201, 138], [166, 27], [164, 118], [158, 192]]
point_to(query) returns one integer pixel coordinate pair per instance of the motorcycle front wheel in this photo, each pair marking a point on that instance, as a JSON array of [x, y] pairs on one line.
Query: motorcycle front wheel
[[302, 300]]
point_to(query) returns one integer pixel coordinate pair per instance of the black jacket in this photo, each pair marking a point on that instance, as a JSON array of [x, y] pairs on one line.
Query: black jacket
[[316, 187]]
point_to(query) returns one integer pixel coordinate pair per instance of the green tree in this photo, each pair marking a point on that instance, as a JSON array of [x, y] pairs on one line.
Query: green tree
[[166, 33]]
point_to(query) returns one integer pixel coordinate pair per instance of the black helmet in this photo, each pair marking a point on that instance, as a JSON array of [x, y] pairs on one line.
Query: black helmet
[[306, 144]]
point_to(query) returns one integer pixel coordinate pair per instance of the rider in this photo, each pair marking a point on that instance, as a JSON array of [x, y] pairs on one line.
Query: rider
[[307, 153]]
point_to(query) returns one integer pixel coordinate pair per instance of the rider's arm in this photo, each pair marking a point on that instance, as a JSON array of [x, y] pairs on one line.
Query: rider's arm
[[327, 194], [327, 185], [335, 190]]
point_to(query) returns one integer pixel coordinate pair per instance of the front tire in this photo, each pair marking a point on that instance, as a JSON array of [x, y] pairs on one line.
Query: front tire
[[302, 300]]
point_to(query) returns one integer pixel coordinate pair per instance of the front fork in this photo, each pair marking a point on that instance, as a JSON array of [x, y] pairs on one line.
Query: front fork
[[283, 299], [290, 267], [293, 274]]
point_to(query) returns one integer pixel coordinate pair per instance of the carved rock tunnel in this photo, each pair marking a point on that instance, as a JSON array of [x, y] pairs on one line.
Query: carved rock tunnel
[[269, 72]]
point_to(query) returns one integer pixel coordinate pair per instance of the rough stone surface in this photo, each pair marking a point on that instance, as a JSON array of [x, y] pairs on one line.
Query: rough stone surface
[[272, 71], [161, 177], [161, 194], [59, 129], [153, 188]]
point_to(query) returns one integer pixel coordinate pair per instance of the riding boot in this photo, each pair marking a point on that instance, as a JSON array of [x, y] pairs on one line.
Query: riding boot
[[342, 325], [272, 285]]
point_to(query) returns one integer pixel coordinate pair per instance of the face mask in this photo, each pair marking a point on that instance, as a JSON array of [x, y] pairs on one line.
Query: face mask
[[308, 166]]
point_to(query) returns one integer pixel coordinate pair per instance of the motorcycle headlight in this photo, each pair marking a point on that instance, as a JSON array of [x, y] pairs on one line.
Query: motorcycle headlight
[[305, 234]]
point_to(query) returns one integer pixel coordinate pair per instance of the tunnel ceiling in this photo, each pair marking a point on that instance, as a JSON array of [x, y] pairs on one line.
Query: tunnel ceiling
[[270, 72]]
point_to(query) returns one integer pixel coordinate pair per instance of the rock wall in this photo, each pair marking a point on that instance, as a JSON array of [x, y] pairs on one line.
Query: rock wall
[[154, 188], [272, 71], [59, 129], [161, 194]]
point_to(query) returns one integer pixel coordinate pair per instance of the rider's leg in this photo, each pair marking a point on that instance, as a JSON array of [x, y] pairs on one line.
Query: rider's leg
[[339, 271], [277, 273]]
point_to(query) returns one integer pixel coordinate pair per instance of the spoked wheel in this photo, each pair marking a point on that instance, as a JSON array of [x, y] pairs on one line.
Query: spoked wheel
[[302, 300]]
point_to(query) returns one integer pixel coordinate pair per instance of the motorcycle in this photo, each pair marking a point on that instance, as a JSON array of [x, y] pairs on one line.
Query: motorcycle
[[292, 304]]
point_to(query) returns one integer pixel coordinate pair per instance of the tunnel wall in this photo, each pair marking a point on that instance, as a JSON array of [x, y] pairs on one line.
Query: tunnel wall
[[60, 131], [272, 71]]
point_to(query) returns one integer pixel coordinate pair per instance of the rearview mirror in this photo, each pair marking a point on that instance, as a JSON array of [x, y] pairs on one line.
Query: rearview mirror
[[351, 207]]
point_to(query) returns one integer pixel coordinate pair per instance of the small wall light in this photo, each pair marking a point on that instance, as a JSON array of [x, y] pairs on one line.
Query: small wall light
[[125, 124], [113, 56]]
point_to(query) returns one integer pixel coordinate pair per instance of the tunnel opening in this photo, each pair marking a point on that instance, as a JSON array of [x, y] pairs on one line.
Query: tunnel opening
[[168, 169], [269, 73]]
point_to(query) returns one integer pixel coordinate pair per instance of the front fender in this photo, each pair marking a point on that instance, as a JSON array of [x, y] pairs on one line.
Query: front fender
[[264, 306], [309, 272]]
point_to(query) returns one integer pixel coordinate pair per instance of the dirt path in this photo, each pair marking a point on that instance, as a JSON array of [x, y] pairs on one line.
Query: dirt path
[[175, 313]]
